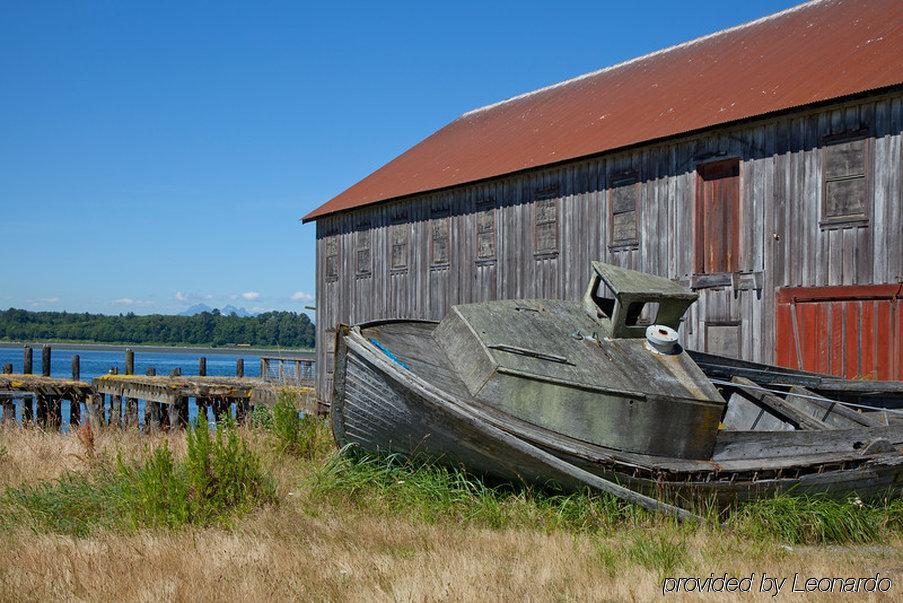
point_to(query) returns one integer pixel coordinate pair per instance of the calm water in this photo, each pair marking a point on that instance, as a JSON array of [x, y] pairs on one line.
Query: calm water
[[97, 362]]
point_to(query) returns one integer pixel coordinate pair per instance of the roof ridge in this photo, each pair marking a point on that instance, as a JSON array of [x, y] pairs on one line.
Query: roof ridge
[[649, 55]]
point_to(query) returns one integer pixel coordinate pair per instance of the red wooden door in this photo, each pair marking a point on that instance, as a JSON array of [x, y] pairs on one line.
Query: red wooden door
[[853, 332], [718, 217]]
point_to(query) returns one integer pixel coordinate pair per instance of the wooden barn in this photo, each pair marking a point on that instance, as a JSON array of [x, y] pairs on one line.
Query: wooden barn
[[762, 166]]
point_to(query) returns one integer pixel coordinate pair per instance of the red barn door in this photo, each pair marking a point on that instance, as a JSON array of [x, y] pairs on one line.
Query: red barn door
[[718, 217], [853, 332]]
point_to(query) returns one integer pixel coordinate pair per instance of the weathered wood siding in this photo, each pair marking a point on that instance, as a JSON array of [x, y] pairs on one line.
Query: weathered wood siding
[[486, 241]]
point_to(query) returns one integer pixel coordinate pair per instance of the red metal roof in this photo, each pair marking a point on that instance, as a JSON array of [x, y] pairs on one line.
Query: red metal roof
[[813, 52]]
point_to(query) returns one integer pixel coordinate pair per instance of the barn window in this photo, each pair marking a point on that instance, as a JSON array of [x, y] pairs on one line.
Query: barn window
[[545, 221], [362, 249], [718, 217], [332, 257], [623, 198], [485, 230], [843, 175], [439, 233], [399, 235]]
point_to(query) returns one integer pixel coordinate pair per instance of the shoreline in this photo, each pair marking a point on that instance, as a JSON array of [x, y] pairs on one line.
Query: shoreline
[[115, 347]]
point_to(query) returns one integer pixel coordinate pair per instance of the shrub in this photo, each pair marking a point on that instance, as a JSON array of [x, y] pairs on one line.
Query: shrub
[[222, 474], [261, 417], [159, 494], [306, 436]]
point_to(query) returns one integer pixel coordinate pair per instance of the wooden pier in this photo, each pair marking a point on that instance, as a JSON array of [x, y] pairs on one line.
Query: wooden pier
[[112, 400], [166, 398], [46, 394]]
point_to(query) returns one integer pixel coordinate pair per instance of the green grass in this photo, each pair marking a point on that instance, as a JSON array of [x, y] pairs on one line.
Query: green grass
[[817, 520], [219, 479], [661, 552], [434, 493], [75, 504]]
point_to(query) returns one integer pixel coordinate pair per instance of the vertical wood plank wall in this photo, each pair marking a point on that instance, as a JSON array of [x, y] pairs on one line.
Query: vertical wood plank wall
[[782, 242]]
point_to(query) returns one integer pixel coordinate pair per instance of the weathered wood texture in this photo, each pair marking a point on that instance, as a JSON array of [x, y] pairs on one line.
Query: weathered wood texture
[[533, 235], [45, 386], [207, 391]]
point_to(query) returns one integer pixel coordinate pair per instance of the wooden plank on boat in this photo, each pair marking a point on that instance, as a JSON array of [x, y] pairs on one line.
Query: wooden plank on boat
[[778, 444], [778, 406], [745, 415], [888, 394], [828, 411]]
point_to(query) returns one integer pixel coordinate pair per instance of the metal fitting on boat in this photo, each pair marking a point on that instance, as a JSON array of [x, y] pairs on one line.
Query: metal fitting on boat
[[662, 339]]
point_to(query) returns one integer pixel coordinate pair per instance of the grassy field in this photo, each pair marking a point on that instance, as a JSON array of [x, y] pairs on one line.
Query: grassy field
[[270, 511]]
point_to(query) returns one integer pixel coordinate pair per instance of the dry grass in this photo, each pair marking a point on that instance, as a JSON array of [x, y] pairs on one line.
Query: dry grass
[[300, 550], [34, 455]]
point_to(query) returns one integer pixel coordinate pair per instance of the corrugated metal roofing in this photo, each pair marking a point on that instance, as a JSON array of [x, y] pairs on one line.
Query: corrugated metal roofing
[[810, 53]]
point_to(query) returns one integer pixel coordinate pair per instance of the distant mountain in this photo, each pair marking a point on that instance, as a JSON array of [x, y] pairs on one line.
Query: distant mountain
[[227, 310], [196, 309]]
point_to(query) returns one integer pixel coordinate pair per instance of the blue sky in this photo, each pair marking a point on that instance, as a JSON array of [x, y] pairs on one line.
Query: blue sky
[[154, 155]]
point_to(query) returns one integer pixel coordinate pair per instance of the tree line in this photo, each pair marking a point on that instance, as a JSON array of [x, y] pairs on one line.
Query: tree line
[[283, 329]]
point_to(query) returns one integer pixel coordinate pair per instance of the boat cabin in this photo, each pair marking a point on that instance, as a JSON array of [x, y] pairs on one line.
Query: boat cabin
[[625, 301]]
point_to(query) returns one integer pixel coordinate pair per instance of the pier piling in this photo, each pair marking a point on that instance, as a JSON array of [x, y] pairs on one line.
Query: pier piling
[[9, 408], [75, 412], [41, 411], [95, 408], [115, 404], [152, 409], [45, 360], [26, 360], [131, 404]]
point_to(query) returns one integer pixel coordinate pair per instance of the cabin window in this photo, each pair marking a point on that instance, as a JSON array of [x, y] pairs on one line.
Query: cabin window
[[485, 230], [641, 314], [718, 217], [399, 235], [332, 257], [844, 187], [362, 249], [605, 300], [623, 199], [545, 221], [439, 235]]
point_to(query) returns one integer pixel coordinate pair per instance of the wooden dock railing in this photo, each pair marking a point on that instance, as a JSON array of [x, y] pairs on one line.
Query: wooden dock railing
[[280, 369]]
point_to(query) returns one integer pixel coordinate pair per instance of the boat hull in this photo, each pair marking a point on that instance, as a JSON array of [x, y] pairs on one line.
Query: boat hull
[[382, 406]]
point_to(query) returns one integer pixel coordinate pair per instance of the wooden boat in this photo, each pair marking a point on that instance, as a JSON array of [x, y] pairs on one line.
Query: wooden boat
[[576, 394]]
